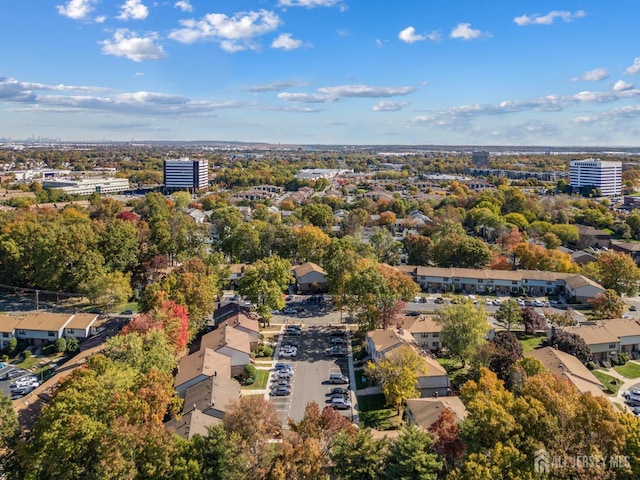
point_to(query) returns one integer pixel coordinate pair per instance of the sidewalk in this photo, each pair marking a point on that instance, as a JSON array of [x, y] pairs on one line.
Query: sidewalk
[[627, 383]]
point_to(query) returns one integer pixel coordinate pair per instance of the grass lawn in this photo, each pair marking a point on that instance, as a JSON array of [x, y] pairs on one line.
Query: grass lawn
[[28, 363], [630, 370], [530, 342], [359, 383], [262, 377], [374, 413], [611, 384]]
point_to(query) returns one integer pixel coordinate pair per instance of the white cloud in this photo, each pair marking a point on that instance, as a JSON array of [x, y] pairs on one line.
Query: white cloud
[[100, 19], [594, 75], [465, 32], [285, 42], [184, 5], [76, 9], [233, 33], [275, 86], [435, 36], [635, 68], [127, 44], [365, 91], [306, 97], [133, 10], [408, 35], [621, 86], [308, 3], [387, 106], [549, 18]]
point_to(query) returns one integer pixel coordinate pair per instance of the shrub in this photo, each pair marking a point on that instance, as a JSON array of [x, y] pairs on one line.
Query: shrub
[[265, 351], [249, 381], [49, 349], [623, 358], [61, 345], [591, 365], [250, 371], [26, 354], [72, 346], [13, 344]]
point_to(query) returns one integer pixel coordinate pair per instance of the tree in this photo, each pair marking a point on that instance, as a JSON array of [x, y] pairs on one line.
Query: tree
[[217, 454], [387, 248], [412, 457], [605, 305], [508, 314], [448, 443], [506, 352], [570, 343], [398, 374], [464, 328], [72, 345], [109, 290], [144, 352], [311, 243], [418, 249], [358, 457], [8, 427], [532, 321], [318, 214], [264, 282], [454, 250], [616, 271]]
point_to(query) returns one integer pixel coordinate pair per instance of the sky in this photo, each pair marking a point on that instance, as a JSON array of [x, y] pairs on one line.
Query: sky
[[332, 72]]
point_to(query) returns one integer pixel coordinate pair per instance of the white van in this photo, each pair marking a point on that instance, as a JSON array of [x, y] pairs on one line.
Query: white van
[[338, 378]]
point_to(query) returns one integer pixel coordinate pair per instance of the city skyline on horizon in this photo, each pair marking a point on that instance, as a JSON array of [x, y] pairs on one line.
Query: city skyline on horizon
[[322, 72]]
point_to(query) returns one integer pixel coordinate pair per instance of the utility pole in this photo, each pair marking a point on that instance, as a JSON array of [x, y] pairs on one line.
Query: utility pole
[[37, 299]]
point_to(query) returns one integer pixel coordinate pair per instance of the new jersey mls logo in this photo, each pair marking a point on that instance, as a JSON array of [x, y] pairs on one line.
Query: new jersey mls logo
[[541, 461]]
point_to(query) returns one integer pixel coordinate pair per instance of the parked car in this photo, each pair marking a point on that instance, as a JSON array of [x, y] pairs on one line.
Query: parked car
[[24, 382], [340, 390], [283, 374], [340, 403], [293, 331], [281, 382], [280, 391], [423, 299], [338, 378], [628, 393], [16, 372], [289, 311], [290, 342], [283, 367], [338, 341], [127, 312], [633, 308], [338, 351], [336, 332], [439, 300], [412, 314], [289, 352]]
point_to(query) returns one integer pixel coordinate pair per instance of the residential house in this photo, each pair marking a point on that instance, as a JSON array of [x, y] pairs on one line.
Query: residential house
[[581, 257], [425, 331], [212, 396], [310, 278], [592, 237], [80, 325], [249, 324], [630, 248], [609, 337], [193, 423], [582, 289], [236, 272], [424, 412], [199, 366], [41, 327], [501, 282], [381, 343], [568, 367], [198, 215], [8, 325], [232, 342]]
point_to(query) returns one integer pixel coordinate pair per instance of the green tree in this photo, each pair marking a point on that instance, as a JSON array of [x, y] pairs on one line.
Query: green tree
[[359, 456], [61, 345], [461, 251], [387, 248], [119, 244], [464, 328], [318, 214], [397, 373], [109, 290], [412, 456], [264, 282], [509, 314], [8, 427], [418, 249]]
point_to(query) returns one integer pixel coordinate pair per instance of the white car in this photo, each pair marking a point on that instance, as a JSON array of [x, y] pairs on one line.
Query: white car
[[289, 352], [340, 403]]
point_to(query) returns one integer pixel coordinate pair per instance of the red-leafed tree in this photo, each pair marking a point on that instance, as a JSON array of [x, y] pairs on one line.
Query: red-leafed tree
[[169, 317], [129, 216], [447, 433]]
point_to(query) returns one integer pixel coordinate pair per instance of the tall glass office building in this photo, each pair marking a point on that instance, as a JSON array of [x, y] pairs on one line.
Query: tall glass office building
[[186, 174], [593, 172]]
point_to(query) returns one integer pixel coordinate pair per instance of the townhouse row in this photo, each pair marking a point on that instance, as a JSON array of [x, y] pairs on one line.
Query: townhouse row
[[40, 328]]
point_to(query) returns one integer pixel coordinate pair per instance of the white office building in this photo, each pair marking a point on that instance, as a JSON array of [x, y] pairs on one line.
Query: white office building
[[593, 172], [87, 186], [186, 174]]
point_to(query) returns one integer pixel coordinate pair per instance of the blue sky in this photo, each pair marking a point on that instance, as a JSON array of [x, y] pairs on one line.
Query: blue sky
[[475, 72]]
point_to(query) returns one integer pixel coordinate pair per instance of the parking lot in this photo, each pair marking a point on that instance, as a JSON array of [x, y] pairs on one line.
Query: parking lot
[[10, 375], [312, 365]]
